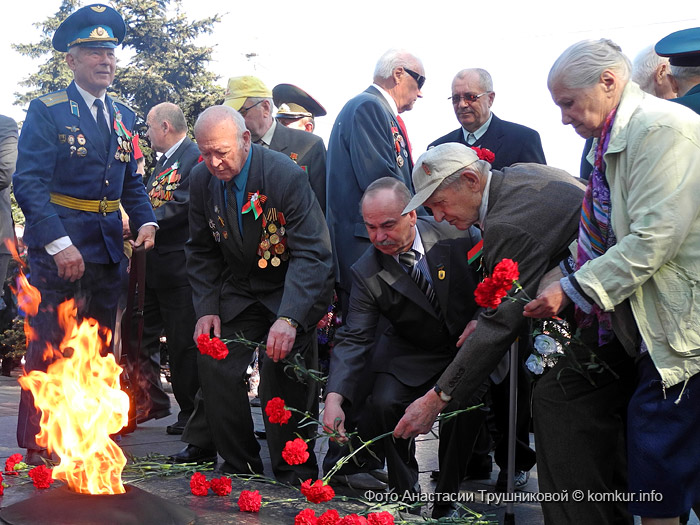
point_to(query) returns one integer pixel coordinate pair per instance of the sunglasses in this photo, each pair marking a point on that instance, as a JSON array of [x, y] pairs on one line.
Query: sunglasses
[[420, 79], [467, 97], [244, 111]]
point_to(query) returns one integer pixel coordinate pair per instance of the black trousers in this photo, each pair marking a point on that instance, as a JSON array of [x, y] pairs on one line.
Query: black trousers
[[169, 310], [388, 402], [580, 431], [224, 404]]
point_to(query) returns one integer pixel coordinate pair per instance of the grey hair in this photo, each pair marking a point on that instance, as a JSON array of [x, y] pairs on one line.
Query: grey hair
[[402, 193], [216, 114], [485, 80], [644, 68], [392, 59], [685, 73], [480, 167], [171, 113], [581, 65]]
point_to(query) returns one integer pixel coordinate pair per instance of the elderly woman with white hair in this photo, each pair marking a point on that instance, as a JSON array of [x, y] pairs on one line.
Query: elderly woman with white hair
[[639, 253]]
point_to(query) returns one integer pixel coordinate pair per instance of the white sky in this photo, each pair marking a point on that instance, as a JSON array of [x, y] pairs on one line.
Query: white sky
[[330, 48]]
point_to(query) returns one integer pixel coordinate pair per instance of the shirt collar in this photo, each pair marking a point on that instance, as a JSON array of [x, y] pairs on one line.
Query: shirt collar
[[172, 150], [483, 208], [388, 98], [479, 132], [417, 246], [89, 98], [267, 137], [240, 180]]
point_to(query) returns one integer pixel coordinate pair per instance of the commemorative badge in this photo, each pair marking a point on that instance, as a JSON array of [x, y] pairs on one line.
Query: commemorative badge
[[124, 138], [164, 185]]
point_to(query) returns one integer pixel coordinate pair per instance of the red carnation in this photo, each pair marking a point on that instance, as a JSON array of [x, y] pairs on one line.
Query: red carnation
[[488, 294], [353, 519], [250, 501], [276, 411], [199, 484], [306, 517], [505, 273], [330, 517], [318, 492], [214, 347], [42, 477], [484, 154], [295, 452], [2, 487], [380, 518], [221, 486], [10, 463]]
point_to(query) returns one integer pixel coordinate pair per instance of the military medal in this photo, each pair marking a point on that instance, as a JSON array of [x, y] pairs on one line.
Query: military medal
[[81, 139], [62, 138], [441, 272], [82, 152], [71, 139], [293, 156], [164, 184], [272, 248], [275, 261], [399, 161], [124, 138]]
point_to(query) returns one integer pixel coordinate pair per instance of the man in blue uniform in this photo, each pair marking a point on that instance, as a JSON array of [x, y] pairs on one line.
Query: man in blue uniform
[[683, 49], [74, 168]]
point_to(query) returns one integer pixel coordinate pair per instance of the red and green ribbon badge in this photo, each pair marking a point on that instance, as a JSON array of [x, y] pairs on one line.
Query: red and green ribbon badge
[[255, 200], [120, 129], [475, 252]]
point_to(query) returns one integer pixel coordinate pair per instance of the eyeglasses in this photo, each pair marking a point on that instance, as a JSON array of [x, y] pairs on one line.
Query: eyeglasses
[[467, 97], [420, 79], [244, 111]]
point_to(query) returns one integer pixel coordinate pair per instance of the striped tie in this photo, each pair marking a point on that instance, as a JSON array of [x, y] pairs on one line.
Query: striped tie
[[419, 272]]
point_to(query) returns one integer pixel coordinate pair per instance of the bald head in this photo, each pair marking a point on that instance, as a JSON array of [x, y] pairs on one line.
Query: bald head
[[223, 140], [166, 126]]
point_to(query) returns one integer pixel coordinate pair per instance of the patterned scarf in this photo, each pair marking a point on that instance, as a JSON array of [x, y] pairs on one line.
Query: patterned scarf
[[595, 235]]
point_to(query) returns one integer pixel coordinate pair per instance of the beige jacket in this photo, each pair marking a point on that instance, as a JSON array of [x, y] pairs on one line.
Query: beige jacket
[[653, 168]]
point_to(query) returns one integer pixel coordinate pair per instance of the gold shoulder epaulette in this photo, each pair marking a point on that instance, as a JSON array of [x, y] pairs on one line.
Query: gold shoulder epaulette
[[54, 98]]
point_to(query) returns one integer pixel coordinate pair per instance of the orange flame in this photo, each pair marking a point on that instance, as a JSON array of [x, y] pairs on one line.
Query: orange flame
[[81, 405]]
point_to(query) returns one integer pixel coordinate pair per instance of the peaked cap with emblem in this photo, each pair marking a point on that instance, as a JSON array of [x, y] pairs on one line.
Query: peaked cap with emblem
[[682, 47], [294, 102], [95, 25]]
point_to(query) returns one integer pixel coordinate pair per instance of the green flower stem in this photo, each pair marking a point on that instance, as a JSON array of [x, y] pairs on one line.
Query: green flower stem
[[342, 461], [444, 416]]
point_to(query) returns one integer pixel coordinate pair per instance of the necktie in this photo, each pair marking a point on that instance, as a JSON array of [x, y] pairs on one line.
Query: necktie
[[102, 125], [159, 165], [471, 139], [408, 259], [405, 136], [232, 207]]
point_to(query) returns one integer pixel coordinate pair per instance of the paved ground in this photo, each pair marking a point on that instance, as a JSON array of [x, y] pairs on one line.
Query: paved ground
[[212, 510]]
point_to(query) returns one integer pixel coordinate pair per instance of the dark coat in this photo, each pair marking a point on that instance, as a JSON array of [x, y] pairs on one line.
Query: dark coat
[[362, 148], [691, 99], [8, 157], [511, 143], [418, 344]]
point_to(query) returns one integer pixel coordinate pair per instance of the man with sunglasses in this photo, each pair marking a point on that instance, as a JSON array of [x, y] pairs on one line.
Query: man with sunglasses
[[472, 97], [253, 100]]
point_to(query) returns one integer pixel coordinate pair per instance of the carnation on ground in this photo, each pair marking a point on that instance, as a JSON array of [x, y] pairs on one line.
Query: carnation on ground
[[250, 501]]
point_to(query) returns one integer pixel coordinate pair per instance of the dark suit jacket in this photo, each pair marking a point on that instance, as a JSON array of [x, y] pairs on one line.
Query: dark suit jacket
[[691, 99], [8, 158], [511, 143], [361, 149], [49, 161], [308, 151], [165, 263], [223, 267], [417, 345], [532, 217]]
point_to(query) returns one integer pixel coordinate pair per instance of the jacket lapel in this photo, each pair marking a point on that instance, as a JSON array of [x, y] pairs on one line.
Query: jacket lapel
[[252, 227], [396, 277], [438, 256]]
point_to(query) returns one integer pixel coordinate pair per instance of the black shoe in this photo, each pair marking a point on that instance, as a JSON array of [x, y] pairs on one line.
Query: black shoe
[[175, 430], [157, 414], [194, 454], [37, 457]]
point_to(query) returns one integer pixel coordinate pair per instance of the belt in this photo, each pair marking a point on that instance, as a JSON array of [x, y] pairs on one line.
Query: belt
[[104, 206]]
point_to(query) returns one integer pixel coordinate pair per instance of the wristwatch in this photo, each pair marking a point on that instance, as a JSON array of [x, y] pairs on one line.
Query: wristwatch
[[291, 322], [442, 394]]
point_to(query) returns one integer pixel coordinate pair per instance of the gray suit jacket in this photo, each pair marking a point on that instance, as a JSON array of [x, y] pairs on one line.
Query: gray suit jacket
[[418, 344], [8, 159], [223, 266], [309, 152], [532, 217]]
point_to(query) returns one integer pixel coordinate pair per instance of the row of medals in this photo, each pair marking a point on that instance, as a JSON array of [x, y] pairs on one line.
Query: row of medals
[[124, 149], [400, 148], [71, 140], [272, 248]]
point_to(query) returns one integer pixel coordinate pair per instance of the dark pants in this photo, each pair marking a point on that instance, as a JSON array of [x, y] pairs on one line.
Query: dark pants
[[580, 434], [96, 295], [169, 310], [389, 400], [224, 397]]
